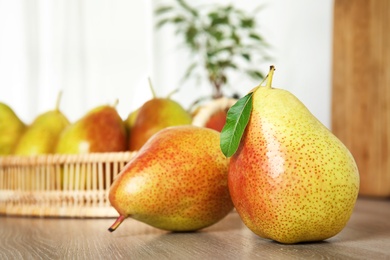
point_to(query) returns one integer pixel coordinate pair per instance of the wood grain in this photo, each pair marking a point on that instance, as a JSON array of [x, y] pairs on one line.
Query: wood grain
[[361, 88], [367, 236]]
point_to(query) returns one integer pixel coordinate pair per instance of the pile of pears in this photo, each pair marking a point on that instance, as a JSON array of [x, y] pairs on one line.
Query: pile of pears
[[101, 129], [288, 177], [52, 133]]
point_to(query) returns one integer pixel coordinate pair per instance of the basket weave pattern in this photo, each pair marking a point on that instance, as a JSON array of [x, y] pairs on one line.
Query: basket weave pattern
[[59, 185]]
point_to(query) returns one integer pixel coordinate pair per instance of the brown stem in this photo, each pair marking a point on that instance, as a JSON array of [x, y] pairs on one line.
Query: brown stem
[[217, 89], [270, 76], [117, 222]]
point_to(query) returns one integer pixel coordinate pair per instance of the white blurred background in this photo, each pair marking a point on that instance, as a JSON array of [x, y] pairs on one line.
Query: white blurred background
[[100, 51]]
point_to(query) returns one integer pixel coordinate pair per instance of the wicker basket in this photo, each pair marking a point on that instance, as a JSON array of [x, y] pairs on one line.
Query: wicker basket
[[59, 185]]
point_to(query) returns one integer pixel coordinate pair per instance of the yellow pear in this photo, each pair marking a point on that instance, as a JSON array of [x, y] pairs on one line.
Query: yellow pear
[[11, 128], [130, 120], [177, 181], [42, 135], [291, 180]]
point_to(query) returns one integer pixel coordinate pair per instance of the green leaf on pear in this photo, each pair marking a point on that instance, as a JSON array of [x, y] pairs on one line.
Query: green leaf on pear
[[236, 122]]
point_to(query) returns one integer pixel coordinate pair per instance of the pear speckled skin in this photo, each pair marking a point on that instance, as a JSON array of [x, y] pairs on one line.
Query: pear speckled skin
[[176, 182], [291, 180]]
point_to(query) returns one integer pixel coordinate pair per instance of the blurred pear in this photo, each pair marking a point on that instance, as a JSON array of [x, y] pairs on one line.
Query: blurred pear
[[11, 128], [42, 135], [130, 120], [100, 130], [155, 115]]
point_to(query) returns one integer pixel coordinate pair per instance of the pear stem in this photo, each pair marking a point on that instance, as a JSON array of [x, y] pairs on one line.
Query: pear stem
[[115, 103], [117, 222], [151, 88], [58, 100], [172, 92], [270, 76]]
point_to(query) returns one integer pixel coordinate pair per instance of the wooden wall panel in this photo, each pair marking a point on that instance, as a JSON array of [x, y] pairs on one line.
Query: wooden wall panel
[[361, 88]]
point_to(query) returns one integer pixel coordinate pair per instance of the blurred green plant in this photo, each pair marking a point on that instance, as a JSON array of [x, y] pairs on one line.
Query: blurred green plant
[[223, 40]]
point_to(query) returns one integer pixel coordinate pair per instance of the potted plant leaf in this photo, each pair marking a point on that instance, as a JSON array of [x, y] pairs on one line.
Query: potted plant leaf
[[223, 40]]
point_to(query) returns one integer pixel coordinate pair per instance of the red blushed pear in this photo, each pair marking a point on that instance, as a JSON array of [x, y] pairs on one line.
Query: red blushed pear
[[177, 181], [291, 180], [100, 130], [213, 114], [153, 116]]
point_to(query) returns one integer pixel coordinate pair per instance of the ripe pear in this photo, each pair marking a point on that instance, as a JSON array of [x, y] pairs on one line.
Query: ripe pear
[[177, 181], [11, 128], [154, 115], [100, 130], [41, 136], [213, 113], [291, 180], [130, 120]]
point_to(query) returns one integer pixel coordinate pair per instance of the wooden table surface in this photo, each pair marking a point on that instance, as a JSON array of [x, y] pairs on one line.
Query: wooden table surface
[[367, 236]]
